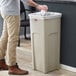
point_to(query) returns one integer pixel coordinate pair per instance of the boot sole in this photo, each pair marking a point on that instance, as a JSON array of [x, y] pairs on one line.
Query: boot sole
[[2, 69], [17, 74]]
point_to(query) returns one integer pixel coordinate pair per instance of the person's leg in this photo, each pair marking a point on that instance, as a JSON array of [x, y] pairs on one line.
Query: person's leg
[[3, 47], [13, 33], [3, 41], [13, 23]]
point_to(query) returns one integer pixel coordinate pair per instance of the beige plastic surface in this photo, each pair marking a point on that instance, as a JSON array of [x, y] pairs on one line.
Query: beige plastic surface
[[45, 41]]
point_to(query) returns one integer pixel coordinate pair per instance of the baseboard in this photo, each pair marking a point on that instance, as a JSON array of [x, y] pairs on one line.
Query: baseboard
[[69, 68]]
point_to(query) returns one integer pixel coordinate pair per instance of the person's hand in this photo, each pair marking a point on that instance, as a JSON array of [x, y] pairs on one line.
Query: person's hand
[[42, 7]]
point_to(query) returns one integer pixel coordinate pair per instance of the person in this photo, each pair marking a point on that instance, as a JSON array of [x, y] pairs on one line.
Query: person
[[10, 12]]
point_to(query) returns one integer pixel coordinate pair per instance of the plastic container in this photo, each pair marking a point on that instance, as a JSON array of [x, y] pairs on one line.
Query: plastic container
[[45, 40]]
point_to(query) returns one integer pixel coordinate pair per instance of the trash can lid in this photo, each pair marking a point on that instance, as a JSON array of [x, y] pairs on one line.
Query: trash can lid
[[46, 15]]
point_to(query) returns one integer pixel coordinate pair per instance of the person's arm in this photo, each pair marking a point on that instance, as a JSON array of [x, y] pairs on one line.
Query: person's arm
[[32, 3], [36, 5]]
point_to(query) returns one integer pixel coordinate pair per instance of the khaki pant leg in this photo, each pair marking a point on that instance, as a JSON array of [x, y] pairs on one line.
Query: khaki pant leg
[[3, 41], [13, 23]]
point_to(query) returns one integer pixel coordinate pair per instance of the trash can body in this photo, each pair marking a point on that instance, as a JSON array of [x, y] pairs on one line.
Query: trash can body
[[45, 42]]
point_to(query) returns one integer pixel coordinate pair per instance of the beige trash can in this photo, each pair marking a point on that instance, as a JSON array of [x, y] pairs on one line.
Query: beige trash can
[[45, 40]]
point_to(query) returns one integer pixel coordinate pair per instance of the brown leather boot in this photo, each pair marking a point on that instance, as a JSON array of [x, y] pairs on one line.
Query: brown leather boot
[[3, 65], [15, 70]]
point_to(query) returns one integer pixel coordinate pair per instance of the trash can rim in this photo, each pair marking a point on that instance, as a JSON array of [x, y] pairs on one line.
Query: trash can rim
[[48, 15]]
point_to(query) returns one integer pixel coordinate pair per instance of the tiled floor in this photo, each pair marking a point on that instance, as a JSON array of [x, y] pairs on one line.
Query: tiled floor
[[24, 58]]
